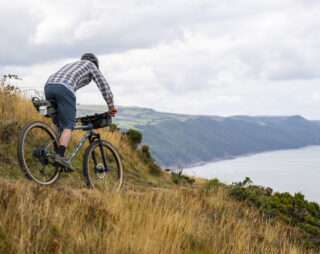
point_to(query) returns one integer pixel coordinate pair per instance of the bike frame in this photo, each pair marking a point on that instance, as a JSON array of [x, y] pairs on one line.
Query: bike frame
[[84, 138], [91, 135]]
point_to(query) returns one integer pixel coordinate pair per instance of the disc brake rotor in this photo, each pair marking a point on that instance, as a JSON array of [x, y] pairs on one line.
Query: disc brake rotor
[[100, 171]]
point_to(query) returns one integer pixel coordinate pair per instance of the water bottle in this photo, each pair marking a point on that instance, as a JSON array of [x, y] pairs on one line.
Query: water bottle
[[43, 110]]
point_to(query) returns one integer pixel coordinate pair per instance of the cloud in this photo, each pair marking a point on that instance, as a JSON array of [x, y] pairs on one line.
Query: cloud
[[233, 99], [206, 56], [57, 29], [316, 97], [273, 37]]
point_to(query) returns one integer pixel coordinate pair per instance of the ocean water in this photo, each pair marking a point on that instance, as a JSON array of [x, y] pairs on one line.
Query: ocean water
[[296, 170]]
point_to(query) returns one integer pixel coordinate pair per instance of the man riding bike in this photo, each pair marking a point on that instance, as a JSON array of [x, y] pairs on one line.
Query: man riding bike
[[61, 87]]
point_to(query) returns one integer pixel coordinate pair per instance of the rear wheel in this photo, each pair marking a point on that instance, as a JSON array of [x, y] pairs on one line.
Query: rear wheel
[[37, 145], [98, 176]]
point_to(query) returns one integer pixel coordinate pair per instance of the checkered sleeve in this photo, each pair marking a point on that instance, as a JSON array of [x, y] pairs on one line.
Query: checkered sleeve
[[102, 85]]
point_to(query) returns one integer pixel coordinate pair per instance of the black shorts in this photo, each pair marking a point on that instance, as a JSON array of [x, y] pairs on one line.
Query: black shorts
[[66, 101]]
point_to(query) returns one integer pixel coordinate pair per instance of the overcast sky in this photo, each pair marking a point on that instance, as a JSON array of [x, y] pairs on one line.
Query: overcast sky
[[213, 57]]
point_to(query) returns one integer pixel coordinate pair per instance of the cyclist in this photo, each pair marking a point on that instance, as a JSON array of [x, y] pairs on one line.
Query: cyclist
[[61, 87]]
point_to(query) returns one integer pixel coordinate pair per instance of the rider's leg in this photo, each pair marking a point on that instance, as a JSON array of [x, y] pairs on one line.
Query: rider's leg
[[65, 137], [66, 101], [64, 141]]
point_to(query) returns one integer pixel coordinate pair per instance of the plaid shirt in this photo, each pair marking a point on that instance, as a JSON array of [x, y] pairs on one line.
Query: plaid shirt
[[79, 74]]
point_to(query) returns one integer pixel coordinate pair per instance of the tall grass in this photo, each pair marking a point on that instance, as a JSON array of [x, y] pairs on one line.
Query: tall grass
[[65, 220], [149, 215]]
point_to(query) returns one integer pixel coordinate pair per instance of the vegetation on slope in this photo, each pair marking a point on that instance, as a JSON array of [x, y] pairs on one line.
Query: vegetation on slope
[[153, 213], [61, 219], [292, 209]]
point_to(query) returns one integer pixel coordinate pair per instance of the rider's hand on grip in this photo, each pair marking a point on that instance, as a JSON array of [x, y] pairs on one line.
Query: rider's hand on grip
[[112, 111]]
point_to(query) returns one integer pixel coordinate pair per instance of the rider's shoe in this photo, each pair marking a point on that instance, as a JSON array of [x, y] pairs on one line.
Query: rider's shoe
[[62, 162]]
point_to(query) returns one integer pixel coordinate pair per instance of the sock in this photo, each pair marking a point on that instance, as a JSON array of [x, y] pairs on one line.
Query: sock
[[62, 150]]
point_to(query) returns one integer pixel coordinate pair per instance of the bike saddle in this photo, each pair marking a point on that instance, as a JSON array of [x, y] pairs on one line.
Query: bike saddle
[[51, 105]]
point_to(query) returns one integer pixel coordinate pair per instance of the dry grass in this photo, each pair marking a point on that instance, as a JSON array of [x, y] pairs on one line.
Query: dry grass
[[144, 217], [67, 220]]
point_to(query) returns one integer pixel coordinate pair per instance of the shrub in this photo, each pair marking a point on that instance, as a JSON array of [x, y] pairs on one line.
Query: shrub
[[292, 209], [175, 178], [178, 178], [134, 137], [145, 153], [212, 185], [188, 179], [181, 179]]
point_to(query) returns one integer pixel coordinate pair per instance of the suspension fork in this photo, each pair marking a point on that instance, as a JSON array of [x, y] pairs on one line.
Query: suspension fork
[[91, 139]]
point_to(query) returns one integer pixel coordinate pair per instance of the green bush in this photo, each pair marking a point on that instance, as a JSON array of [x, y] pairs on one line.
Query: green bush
[[292, 209], [312, 229], [134, 137], [145, 152], [145, 155], [188, 179], [176, 179], [212, 186], [181, 179]]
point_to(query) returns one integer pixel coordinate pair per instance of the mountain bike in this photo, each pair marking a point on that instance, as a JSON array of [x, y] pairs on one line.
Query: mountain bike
[[37, 145]]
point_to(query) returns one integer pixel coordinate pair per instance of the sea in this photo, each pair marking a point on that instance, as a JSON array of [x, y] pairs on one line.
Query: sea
[[294, 170]]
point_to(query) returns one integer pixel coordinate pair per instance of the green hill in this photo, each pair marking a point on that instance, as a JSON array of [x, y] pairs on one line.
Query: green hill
[[177, 139]]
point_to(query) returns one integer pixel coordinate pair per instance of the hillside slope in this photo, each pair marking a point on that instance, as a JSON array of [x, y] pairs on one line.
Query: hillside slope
[[189, 139], [151, 214]]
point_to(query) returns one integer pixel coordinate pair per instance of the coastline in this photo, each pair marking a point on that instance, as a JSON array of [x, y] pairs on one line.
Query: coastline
[[232, 157], [285, 170]]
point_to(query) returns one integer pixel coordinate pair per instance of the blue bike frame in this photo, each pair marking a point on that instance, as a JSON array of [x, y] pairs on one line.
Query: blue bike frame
[[89, 135], [86, 135]]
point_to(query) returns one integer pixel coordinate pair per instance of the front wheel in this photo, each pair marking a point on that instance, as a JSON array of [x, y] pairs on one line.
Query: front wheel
[[102, 173]]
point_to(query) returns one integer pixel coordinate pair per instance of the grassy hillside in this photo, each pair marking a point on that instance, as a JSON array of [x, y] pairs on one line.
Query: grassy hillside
[[151, 214], [76, 220], [188, 139]]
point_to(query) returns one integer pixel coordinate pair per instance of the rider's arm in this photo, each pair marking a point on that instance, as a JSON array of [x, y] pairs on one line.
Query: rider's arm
[[102, 85]]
